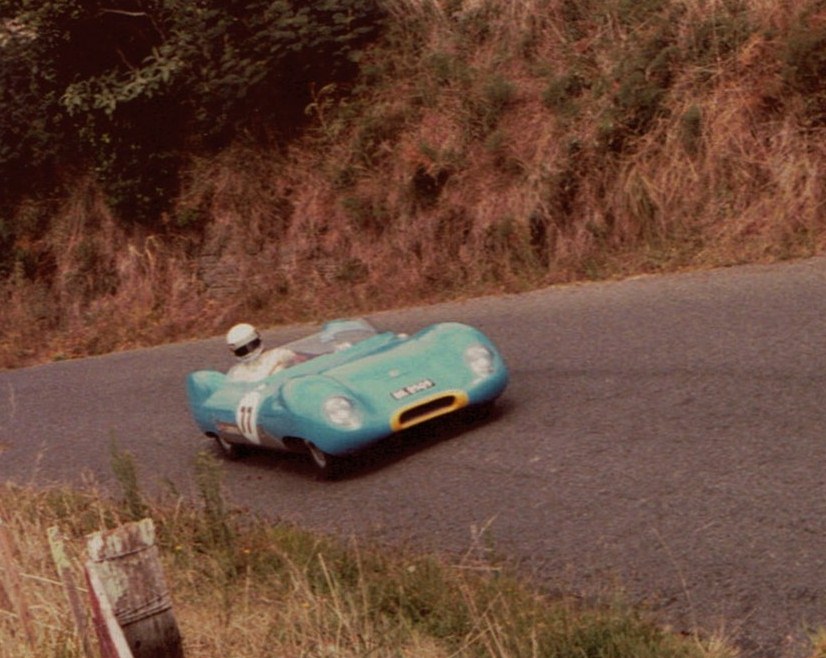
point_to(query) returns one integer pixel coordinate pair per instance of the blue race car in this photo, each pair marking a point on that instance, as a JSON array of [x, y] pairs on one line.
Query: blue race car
[[349, 387]]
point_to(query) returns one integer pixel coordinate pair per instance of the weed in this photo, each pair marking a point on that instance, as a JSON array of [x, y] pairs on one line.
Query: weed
[[351, 271], [691, 129], [367, 215], [123, 467], [487, 108], [189, 218], [445, 68], [374, 137], [721, 34], [344, 177], [562, 91], [642, 86], [425, 187], [632, 13], [819, 643], [217, 529], [575, 16]]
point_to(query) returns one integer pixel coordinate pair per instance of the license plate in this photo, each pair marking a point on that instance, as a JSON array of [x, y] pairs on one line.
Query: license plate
[[407, 391]]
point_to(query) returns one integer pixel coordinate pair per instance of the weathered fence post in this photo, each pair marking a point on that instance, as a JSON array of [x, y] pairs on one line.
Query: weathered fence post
[[112, 641], [64, 571], [125, 573], [13, 584]]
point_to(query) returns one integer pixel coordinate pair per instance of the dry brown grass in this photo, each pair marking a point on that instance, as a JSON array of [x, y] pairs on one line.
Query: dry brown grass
[[453, 174], [110, 289], [243, 588]]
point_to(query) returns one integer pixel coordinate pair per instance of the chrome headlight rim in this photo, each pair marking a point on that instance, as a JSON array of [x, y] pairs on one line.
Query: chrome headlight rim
[[480, 359], [341, 411]]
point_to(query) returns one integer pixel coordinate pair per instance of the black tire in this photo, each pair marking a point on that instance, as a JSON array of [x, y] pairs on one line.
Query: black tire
[[479, 413], [231, 451], [327, 465]]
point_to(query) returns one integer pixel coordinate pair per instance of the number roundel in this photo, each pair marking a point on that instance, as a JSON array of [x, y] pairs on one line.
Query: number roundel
[[246, 416]]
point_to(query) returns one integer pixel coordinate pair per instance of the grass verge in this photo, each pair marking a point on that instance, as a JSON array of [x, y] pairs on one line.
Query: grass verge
[[243, 587]]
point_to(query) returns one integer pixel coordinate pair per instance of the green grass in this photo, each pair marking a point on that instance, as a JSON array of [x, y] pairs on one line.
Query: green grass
[[244, 587]]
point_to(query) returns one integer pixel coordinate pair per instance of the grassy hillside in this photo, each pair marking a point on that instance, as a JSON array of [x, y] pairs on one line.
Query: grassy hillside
[[485, 146]]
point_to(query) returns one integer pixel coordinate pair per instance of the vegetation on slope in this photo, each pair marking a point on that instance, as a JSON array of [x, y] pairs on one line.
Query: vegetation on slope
[[244, 588], [426, 149]]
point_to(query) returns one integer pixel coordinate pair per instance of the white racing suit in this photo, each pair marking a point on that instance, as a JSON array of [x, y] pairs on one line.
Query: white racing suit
[[264, 365]]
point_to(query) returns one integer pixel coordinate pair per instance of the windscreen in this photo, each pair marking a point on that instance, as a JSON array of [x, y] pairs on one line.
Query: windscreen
[[335, 336]]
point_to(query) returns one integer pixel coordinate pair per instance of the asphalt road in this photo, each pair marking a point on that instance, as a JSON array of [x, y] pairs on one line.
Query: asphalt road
[[663, 435]]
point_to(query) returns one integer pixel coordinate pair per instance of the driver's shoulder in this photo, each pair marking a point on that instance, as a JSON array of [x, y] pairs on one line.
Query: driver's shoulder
[[276, 354]]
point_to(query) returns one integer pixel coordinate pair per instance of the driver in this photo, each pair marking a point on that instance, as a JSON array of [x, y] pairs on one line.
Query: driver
[[254, 363]]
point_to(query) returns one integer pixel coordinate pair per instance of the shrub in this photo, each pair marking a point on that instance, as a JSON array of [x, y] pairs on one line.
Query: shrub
[[83, 81], [804, 68], [562, 91], [426, 186], [642, 80], [375, 132], [632, 13], [720, 34], [486, 106], [691, 129]]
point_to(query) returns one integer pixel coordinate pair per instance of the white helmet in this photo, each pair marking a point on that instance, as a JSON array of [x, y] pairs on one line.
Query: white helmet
[[244, 341]]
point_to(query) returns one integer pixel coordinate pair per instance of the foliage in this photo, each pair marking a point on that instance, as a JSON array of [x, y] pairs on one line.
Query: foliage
[[129, 86], [804, 68], [276, 154], [497, 94], [563, 90], [720, 33], [217, 529], [126, 473], [641, 80], [691, 127]]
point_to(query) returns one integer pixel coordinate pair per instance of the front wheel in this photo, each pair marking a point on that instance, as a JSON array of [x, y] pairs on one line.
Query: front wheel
[[479, 413], [231, 451], [327, 464]]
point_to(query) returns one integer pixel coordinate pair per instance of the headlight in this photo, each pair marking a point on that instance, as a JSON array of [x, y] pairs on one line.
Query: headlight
[[480, 360], [341, 411]]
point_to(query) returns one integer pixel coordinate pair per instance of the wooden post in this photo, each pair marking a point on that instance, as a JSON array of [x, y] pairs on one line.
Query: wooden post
[[64, 571], [14, 585], [124, 571], [112, 641]]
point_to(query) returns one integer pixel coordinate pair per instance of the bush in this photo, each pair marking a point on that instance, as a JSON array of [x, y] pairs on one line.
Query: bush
[[127, 87], [804, 68], [720, 34], [562, 91], [642, 81], [691, 129], [488, 104]]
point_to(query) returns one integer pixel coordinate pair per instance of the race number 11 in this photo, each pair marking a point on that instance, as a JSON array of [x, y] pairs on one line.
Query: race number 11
[[246, 416]]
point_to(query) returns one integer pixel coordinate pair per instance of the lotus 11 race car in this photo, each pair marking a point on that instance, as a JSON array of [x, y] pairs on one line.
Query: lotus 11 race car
[[350, 387]]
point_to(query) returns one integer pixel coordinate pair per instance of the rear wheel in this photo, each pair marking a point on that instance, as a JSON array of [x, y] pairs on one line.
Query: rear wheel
[[229, 450]]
